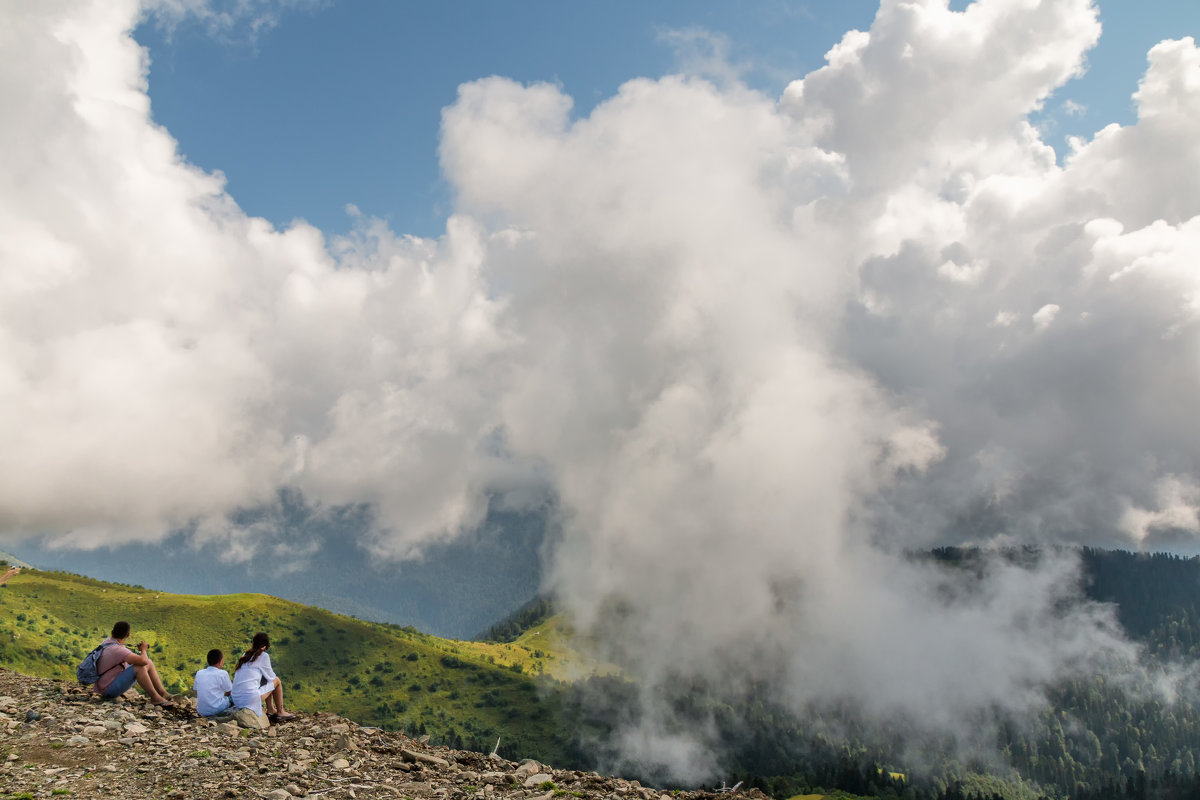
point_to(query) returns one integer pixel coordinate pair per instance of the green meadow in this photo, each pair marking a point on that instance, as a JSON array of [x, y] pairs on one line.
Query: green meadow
[[466, 694]]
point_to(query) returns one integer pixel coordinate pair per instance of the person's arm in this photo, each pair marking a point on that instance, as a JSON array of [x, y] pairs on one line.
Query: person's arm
[[267, 671], [138, 659]]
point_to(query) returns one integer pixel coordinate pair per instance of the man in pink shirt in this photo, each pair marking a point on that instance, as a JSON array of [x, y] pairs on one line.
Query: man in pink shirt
[[119, 668]]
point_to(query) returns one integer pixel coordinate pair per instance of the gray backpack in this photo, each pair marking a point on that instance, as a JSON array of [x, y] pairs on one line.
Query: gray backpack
[[88, 671]]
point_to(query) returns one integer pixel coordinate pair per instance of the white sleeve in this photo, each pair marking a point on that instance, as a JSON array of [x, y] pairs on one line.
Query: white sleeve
[[226, 683], [265, 666]]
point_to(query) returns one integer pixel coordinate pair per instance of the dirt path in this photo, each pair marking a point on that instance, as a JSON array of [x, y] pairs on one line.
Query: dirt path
[[12, 571]]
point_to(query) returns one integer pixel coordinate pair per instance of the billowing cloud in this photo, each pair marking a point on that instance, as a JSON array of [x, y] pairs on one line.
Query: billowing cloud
[[167, 360], [759, 348]]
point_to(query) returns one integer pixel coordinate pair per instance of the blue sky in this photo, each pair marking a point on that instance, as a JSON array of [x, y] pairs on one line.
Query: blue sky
[[341, 104]]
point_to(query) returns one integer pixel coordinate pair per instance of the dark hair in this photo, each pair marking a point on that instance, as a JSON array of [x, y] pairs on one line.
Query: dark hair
[[214, 657], [258, 644], [120, 630]]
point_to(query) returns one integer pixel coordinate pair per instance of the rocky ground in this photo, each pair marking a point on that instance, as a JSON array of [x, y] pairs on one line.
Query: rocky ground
[[58, 740]]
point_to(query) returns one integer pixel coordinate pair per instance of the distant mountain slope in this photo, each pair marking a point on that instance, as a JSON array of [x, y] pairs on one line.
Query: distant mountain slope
[[1157, 595], [455, 589], [509, 629], [11, 560]]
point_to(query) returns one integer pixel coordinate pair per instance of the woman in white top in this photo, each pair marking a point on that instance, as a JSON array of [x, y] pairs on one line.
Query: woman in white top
[[253, 675]]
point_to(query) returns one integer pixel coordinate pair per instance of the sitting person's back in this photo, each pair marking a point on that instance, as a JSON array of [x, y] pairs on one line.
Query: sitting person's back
[[213, 687], [119, 668], [255, 682]]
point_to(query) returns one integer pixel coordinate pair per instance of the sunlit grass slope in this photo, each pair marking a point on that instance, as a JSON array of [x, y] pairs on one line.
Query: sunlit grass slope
[[463, 693], [548, 648]]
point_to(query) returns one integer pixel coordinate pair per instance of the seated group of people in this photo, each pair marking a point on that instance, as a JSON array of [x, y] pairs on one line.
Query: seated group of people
[[254, 685]]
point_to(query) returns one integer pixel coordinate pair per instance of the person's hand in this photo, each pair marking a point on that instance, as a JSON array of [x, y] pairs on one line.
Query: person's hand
[[142, 646]]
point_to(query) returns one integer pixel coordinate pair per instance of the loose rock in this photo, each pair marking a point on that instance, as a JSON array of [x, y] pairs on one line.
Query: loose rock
[[174, 755]]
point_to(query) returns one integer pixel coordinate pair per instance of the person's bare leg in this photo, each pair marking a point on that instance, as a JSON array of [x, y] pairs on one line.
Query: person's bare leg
[[158, 685], [268, 702], [143, 680], [277, 693]]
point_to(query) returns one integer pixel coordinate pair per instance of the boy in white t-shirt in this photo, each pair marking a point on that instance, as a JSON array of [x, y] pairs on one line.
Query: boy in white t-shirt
[[213, 686]]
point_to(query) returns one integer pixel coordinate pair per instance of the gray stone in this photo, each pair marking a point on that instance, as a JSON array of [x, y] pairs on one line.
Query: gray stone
[[423, 758], [32, 716], [340, 763], [535, 780], [279, 794]]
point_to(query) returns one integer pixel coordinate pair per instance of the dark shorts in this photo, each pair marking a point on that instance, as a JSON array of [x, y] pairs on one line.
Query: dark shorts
[[121, 683]]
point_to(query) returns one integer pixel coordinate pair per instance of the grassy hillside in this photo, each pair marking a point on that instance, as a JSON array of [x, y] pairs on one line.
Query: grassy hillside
[[464, 693]]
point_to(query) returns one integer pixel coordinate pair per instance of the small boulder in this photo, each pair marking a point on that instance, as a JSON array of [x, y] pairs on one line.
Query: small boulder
[[423, 758]]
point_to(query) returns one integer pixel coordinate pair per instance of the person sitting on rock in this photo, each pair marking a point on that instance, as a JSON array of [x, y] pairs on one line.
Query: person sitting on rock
[[213, 687], [252, 675], [138, 668]]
